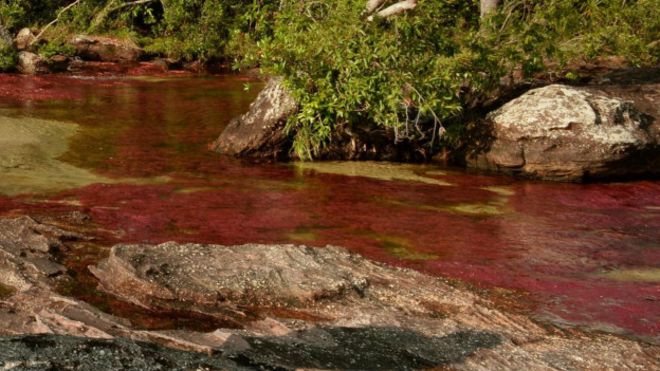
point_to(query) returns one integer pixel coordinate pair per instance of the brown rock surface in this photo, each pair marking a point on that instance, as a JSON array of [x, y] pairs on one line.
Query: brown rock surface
[[339, 290], [300, 308], [572, 134], [106, 49]]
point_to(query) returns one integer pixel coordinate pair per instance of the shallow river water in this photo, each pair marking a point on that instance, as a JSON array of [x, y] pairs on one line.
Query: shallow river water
[[137, 162]]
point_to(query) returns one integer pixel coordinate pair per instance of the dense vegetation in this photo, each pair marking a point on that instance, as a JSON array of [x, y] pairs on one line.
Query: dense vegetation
[[408, 73]]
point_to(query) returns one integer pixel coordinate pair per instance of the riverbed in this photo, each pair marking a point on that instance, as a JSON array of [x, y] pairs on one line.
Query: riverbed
[[132, 153]]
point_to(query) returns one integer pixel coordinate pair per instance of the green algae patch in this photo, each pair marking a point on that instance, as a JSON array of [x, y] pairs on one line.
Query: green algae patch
[[375, 170], [475, 209], [29, 151], [634, 275], [302, 234], [402, 248], [500, 190]]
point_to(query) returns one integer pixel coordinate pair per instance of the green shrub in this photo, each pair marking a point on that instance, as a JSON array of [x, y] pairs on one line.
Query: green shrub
[[345, 70]]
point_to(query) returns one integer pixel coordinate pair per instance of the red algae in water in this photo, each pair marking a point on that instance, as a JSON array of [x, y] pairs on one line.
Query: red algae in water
[[554, 241]]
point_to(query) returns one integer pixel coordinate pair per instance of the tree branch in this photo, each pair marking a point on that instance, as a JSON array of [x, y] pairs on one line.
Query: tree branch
[[137, 2], [372, 5], [43, 30], [395, 9]]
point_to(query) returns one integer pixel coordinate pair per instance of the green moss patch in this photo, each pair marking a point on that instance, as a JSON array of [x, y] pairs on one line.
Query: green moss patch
[[374, 170]]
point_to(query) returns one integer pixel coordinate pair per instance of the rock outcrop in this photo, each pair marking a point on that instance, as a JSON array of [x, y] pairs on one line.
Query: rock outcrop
[[56, 352], [571, 134], [331, 303], [24, 39], [297, 307], [106, 49], [259, 133]]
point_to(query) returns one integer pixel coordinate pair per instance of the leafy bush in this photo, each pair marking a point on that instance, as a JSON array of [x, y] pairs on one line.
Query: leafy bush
[[395, 73]]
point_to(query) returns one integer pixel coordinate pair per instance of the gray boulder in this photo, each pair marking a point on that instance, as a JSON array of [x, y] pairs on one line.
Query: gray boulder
[[260, 131], [566, 133]]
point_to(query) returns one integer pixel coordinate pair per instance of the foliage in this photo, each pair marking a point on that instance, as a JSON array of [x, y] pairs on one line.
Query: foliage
[[210, 29], [396, 73], [407, 74]]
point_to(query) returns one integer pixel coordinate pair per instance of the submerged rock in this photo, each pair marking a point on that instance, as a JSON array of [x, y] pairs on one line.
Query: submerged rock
[[259, 133], [571, 134], [29, 151], [106, 49]]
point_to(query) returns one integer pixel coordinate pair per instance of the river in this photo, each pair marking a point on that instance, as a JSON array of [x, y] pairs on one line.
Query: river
[[137, 162]]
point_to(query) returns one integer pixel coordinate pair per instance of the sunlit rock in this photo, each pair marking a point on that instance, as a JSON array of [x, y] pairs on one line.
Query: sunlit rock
[[571, 134]]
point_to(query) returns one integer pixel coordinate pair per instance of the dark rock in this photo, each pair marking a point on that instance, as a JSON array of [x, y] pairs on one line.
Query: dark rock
[[53, 352], [368, 348], [570, 134], [167, 64], [24, 39], [259, 133], [58, 63], [106, 49]]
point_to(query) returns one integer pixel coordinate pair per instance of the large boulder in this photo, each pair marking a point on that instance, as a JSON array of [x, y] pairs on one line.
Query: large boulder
[[31, 63], [259, 133], [24, 39], [106, 49], [567, 133]]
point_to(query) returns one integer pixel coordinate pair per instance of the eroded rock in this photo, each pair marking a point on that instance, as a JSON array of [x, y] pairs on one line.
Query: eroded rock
[[200, 276], [106, 49], [571, 134], [259, 133]]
